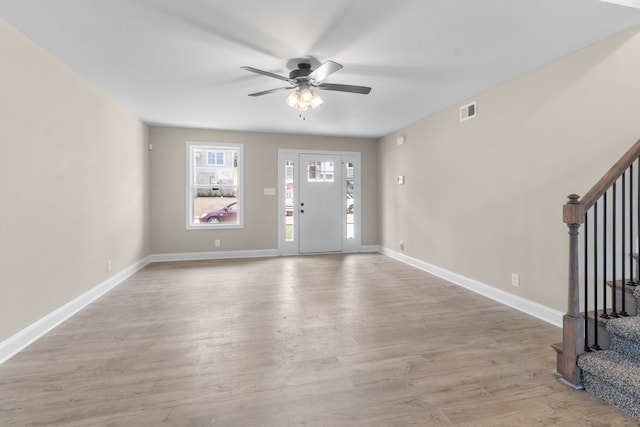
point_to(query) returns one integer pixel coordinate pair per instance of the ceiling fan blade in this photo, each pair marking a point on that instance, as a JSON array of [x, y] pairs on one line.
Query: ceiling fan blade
[[265, 92], [265, 73], [324, 71], [364, 90]]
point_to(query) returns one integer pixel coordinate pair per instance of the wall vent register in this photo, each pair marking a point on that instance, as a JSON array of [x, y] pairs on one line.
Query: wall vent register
[[468, 111]]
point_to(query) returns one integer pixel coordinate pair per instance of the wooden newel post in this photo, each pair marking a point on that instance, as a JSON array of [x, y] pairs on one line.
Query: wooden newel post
[[572, 322]]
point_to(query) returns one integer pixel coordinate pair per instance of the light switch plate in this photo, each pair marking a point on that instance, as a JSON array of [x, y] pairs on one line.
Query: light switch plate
[[400, 179]]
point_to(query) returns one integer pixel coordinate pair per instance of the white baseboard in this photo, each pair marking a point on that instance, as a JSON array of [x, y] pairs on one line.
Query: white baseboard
[[200, 256], [524, 305], [22, 339]]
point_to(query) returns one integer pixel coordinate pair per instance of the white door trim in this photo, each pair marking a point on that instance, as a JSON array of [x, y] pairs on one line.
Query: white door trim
[[292, 247]]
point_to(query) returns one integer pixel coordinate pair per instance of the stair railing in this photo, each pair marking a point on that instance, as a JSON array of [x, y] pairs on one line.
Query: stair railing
[[608, 212]]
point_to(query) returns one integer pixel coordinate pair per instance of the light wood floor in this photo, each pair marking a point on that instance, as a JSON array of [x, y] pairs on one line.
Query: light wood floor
[[334, 340]]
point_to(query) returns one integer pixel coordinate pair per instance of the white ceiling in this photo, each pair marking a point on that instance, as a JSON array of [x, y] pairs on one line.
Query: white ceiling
[[177, 63]]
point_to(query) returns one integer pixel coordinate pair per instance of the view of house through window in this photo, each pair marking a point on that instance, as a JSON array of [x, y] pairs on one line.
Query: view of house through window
[[214, 185], [320, 171]]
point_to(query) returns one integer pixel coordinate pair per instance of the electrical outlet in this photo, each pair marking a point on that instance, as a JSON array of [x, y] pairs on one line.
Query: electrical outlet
[[515, 280], [216, 243]]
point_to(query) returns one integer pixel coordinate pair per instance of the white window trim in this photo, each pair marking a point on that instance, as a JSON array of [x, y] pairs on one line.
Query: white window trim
[[213, 146]]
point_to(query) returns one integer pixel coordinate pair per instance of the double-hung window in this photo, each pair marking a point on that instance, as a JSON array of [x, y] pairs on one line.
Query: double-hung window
[[214, 185]]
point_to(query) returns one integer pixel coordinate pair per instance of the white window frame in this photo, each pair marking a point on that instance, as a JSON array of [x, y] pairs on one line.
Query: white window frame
[[190, 183]]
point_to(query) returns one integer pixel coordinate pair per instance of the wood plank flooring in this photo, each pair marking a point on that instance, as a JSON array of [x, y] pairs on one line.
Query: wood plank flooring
[[331, 340]]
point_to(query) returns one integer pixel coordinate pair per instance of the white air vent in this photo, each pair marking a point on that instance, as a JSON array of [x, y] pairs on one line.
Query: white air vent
[[468, 111]]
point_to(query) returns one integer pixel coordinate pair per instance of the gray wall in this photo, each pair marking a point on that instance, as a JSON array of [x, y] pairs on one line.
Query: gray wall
[[73, 184], [483, 198], [168, 188]]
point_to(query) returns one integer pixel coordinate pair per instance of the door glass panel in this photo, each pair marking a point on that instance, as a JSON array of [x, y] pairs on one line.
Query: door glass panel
[[350, 204], [289, 197], [320, 171]]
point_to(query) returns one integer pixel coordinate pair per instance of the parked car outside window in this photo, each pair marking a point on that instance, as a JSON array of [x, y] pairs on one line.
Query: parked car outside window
[[227, 214]]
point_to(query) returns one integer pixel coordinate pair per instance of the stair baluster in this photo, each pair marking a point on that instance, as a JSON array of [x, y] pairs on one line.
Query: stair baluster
[[586, 280], [631, 282], [637, 278], [604, 314], [595, 345], [614, 248], [623, 235]]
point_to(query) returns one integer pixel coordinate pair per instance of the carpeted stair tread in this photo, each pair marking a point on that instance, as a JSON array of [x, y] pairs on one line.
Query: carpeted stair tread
[[624, 336], [613, 396], [626, 327], [613, 368], [612, 377]]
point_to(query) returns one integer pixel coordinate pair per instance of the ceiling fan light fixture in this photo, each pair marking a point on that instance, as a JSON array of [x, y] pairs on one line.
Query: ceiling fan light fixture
[[303, 99]]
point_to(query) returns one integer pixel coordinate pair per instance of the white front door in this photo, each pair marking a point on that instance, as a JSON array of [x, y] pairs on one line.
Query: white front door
[[320, 203]]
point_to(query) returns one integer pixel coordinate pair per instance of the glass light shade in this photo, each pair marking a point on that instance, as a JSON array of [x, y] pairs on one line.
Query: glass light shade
[[303, 99], [316, 101], [306, 95], [292, 99]]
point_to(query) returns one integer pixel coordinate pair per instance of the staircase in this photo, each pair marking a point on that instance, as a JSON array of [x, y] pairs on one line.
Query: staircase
[[600, 349], [613, 374]]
